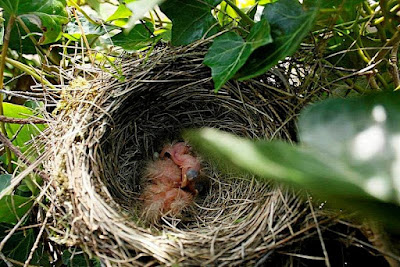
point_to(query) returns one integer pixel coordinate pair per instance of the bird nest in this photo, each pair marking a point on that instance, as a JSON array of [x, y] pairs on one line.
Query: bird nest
[[106, 128]]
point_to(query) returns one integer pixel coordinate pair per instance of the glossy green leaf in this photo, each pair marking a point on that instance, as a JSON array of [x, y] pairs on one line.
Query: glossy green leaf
[[260, 34], [290, 23], [44, 18], [13, 207], [191, 20], [27, 131], [140, 36], [229, 52], [5, 180], [325, 176]]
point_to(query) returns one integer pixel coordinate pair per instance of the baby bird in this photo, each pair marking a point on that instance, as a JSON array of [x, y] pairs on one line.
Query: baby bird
[[171, 180], [190, 165]]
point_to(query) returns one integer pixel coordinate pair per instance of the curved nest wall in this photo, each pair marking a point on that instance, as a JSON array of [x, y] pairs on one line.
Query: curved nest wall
[[107, 129]]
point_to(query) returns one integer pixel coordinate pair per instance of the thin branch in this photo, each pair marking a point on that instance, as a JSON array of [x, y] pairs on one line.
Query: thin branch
[[383, 52], [327, 263], [21, 156], [5, 260], [21, 120], [83, 36], [394, 68]]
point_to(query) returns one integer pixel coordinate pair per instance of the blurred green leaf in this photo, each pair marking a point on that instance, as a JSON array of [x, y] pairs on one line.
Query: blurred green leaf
[[229, 52], [363, 133], [12, 208], [24, 132], [139, 37], [191, 20], [290, 23], [326, 177], [139, 9], [44, 18], [5, 180]]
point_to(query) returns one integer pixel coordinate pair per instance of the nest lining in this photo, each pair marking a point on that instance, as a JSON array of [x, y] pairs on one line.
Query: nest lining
[[100, 144]]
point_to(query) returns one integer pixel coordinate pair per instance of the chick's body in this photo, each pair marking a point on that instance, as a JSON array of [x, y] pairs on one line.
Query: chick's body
[[170, 182], [164, 171]]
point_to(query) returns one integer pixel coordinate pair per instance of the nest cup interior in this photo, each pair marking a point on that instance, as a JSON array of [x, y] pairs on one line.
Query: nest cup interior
[[156, 113]]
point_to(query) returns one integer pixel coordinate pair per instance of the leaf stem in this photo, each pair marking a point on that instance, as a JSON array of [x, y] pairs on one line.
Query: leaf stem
[[41, 51], [243, 15], [29, 70], [2, 67]]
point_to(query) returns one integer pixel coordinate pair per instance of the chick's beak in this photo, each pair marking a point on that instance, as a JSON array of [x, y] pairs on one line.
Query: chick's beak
[[190, 175]]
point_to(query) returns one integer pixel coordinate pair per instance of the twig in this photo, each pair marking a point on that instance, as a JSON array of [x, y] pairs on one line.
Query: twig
[[20, 263], [7, 262], [21, 156], [327, 263], [35, 245], [7, 237], [383, 52], [83, 36], [394, 68], [21, 120]]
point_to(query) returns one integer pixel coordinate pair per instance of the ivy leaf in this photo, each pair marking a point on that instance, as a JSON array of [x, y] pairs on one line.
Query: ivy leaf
[[226, 55], [137, 38], [229, 52], [191, 20], [289, 25], [14, 207], [260, 34], [44, 18]]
